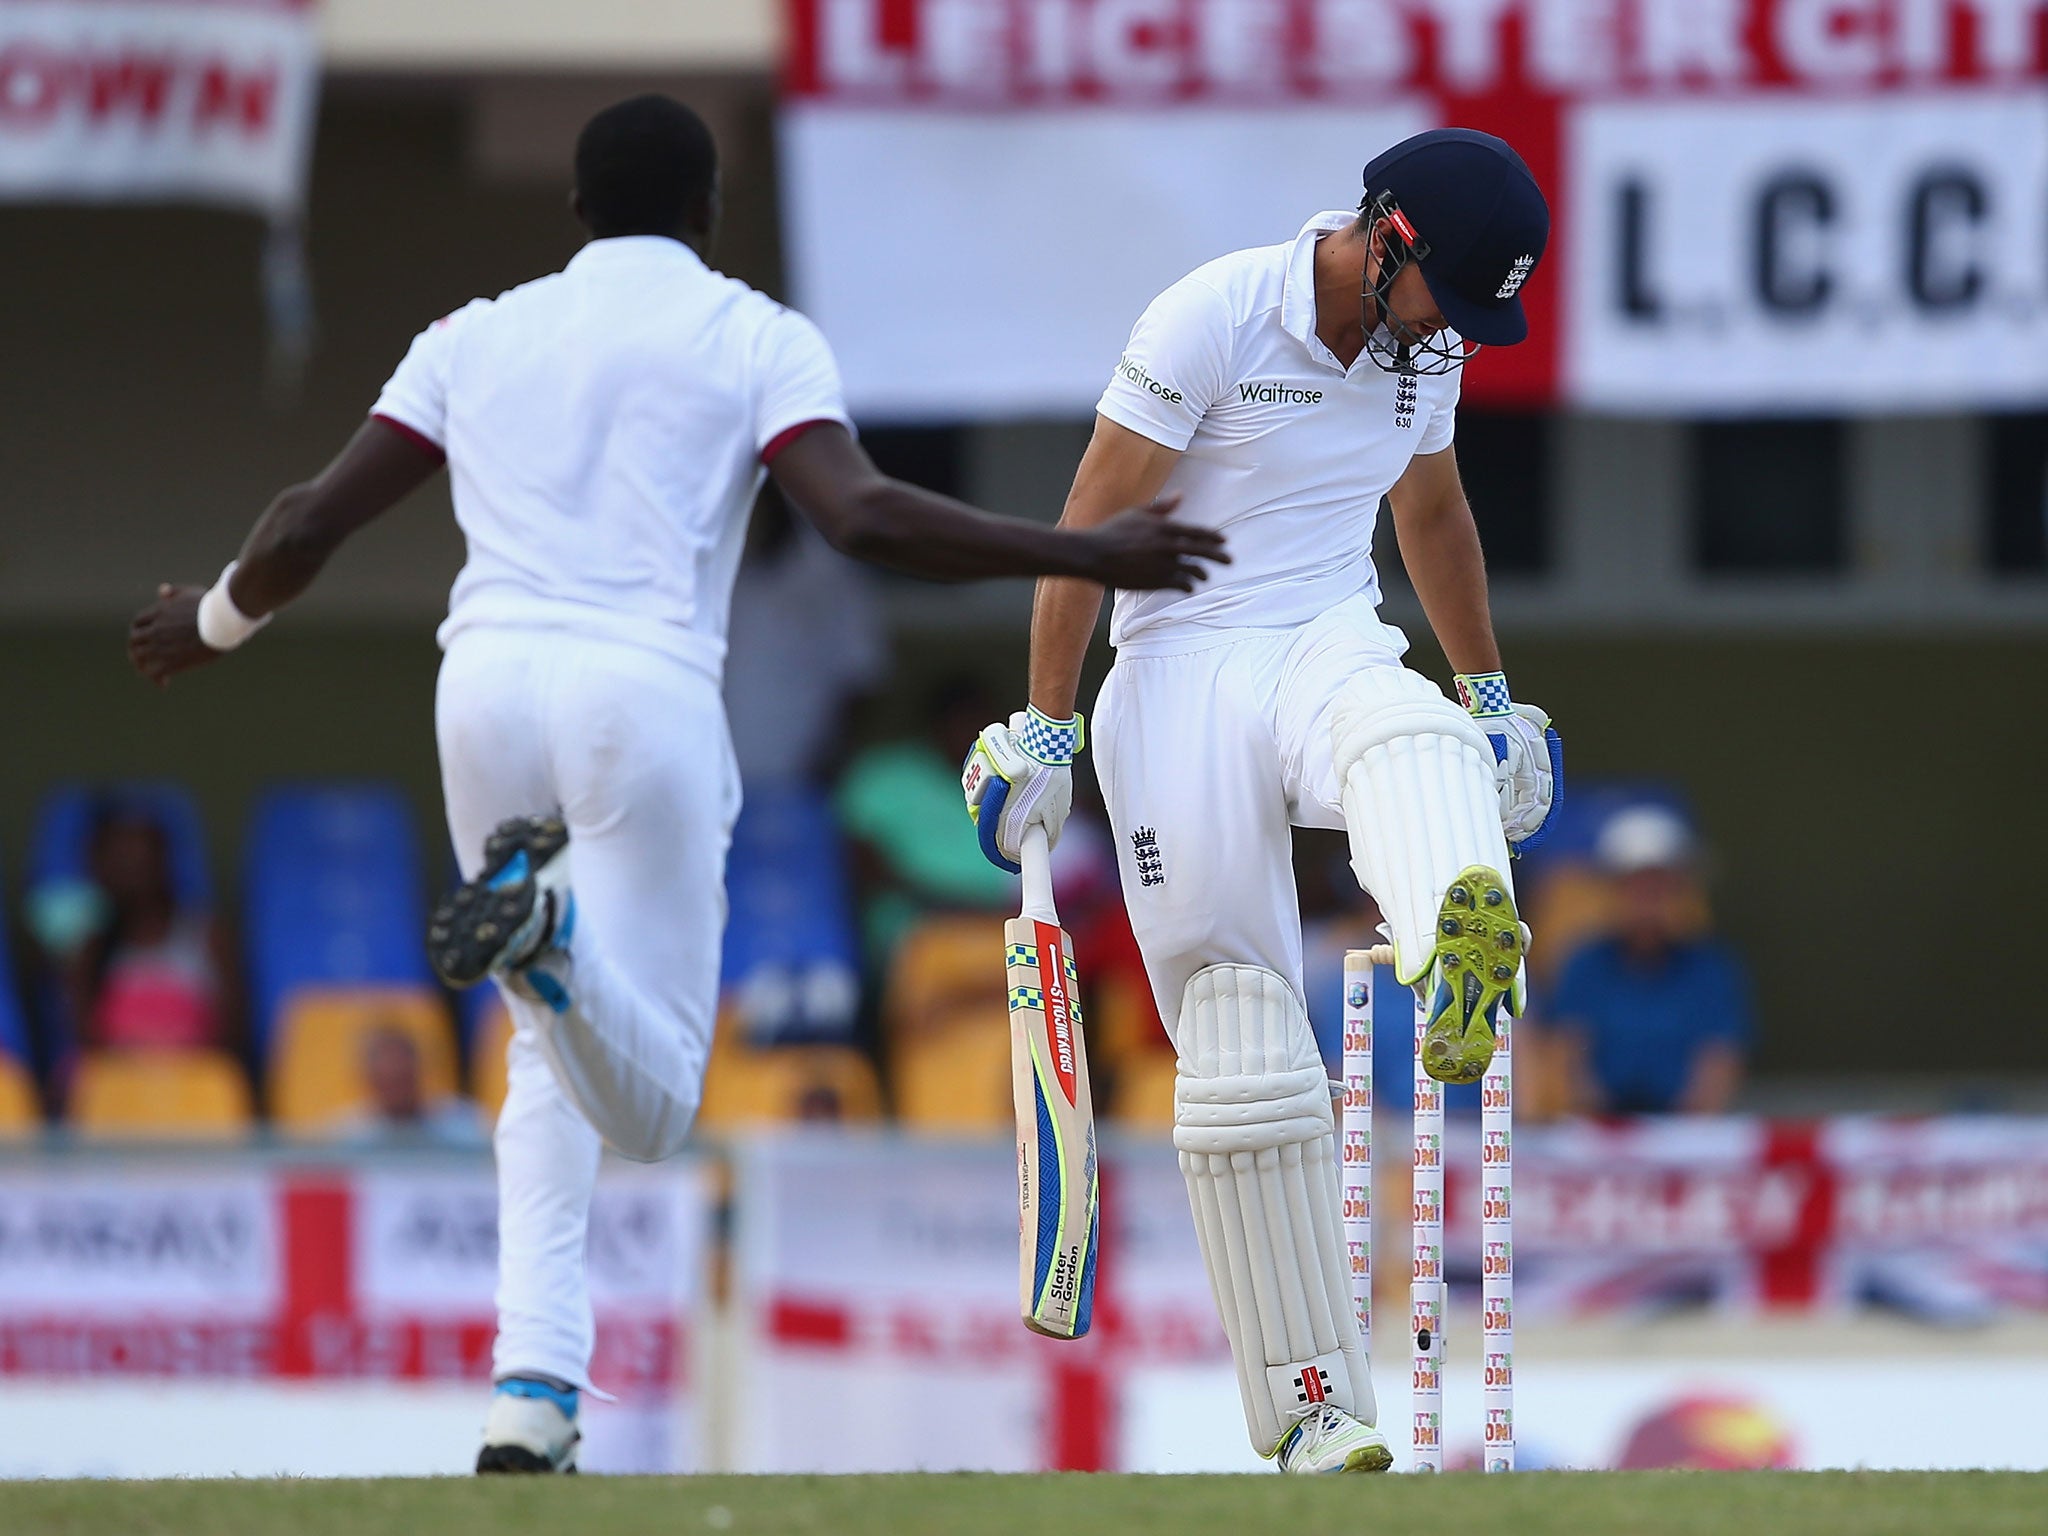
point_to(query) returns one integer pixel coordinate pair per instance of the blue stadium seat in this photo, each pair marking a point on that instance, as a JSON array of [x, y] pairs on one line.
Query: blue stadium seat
[[60, 847], [473, 1016], [1588, 805], [14, 1040], [332, 894], [791, 961]]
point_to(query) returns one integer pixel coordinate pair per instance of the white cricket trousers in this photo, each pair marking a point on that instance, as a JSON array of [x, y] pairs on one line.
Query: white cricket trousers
[[631, 748], [1207, 757]]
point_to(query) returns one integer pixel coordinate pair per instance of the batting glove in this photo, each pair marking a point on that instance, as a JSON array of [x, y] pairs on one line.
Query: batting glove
[[1020, 775], [1528, 757]]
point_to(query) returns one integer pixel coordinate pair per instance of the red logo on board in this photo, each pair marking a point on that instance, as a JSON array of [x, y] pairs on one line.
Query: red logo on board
[[1059, 1013]]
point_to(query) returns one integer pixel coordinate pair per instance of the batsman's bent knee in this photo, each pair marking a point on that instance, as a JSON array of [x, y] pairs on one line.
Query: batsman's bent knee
[[1420, 800]]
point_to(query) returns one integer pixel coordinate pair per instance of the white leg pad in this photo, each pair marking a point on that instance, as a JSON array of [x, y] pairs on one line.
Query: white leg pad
[[1257, 1142], [1420, 802]]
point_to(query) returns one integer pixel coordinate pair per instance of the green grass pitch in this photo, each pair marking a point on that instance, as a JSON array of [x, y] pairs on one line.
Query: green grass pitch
[[1535, 1504]]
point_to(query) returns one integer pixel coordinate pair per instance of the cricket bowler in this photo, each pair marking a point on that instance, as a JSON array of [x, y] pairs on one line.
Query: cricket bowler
[[1282, 392], [607, 429]]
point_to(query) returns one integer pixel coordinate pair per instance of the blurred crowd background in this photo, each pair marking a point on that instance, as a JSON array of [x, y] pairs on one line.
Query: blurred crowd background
[[146, 1003], [1774, 554], [1808, 631]]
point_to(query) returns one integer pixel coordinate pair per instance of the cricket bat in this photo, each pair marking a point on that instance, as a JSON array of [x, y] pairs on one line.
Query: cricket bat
[[1056, 1176]]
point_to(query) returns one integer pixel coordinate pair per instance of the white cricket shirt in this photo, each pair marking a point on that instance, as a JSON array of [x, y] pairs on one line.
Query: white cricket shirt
[[1284, 448], [605, 429]]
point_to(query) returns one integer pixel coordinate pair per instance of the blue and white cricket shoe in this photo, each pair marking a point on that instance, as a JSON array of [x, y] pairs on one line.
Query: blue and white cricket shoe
[[516, 919], [531, 1428], [1331, 1440]]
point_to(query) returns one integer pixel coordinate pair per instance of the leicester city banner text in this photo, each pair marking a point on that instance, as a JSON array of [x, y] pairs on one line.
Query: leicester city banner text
[[1761, 205]]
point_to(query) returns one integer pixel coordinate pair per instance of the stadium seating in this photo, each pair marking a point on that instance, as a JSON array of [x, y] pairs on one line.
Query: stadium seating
[[60, 846], [333, 895], [159, 1096], [21, 1116], [14, 1038], [788, 1083], [946, 1026], [945, 964], [1141, 1094], [958, 1078], [791, 954], [1120, 1023], [1570, 901], [745, 1085], [1575, 825], [315, 1077]]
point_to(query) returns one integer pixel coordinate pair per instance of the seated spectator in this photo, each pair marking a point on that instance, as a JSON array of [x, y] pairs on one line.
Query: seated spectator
[[914, 848], [1654, 1018], [820, 1104], [139, 970], [398, 1112]]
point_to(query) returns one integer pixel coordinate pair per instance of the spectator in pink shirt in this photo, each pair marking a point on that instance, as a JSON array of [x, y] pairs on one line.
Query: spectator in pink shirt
[[154, 974]]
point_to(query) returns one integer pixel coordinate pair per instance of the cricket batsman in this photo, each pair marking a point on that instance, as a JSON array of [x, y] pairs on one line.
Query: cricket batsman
[[1282, 392], [607, 428]]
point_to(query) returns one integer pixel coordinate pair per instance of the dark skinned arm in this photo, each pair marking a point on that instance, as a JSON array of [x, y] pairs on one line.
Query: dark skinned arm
[[863, 513], [291, 542]]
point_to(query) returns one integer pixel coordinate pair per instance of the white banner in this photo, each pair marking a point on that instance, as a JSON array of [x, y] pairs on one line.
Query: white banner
[[427, 1242], [878, 1285], [1018, 249], [1759, 205], [1881, 254], [158, 100], [106, 1241]]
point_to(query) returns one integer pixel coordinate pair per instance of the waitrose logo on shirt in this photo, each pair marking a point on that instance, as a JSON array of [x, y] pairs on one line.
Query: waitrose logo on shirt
[[1144, 380], [1256, 393]]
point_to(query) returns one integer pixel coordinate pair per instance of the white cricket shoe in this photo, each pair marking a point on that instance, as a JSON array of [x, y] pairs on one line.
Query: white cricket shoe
[[531, 1428], [1331, 1440]]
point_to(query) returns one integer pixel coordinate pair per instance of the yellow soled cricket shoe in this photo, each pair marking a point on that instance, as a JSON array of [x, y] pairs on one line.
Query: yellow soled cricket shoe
[[1331, 1440], [1479, 947]]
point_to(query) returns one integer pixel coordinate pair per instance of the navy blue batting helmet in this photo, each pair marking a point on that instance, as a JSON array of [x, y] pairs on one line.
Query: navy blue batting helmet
[[1474, 220]]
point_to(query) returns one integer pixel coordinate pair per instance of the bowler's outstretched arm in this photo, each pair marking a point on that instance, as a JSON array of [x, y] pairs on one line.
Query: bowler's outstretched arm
[[868, 515], [293, 539]]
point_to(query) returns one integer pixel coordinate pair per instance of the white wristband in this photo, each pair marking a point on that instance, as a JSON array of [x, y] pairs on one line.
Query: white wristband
[[222, 625]]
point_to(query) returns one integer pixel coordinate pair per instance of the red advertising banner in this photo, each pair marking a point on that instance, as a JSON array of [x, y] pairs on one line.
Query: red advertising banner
[[158, 100], [1761, 204]]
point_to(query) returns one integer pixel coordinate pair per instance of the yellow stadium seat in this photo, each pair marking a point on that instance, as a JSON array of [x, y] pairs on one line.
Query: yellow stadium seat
[[316, 1053], [21, 1116], [1119, 1024], [160, 1095], [955, 1076], [1141, 1098], [788, 1083], [488, 1059], [944, 965], [1573, 905]]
